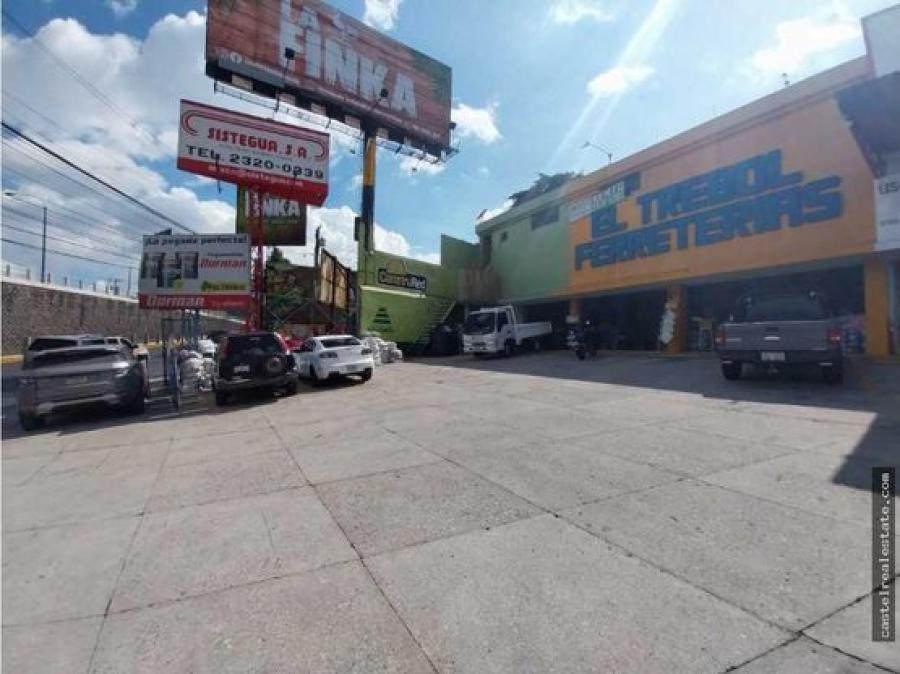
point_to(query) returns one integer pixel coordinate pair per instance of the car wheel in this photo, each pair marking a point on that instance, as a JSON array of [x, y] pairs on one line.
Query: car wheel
[[221, 398], [30, 422], [367, 374], [833, 374], [580, 353], [508, 348], [291, 389], [314, 376], [536, 345], [138, 405], [731, 371]]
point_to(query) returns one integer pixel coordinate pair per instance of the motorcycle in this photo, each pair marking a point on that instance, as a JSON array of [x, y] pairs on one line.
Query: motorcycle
[[582, 341]]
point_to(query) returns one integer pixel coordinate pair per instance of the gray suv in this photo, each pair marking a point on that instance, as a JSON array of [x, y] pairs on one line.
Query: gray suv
[[63, 378]]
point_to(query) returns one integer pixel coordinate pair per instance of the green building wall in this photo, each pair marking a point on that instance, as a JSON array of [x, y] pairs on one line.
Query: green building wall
[[529, 263], [408, 316]]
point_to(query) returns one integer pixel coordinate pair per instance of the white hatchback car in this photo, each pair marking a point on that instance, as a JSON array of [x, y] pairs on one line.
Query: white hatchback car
[[333, 356]]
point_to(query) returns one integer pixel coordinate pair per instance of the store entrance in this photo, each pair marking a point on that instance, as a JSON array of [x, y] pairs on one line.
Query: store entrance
[[711, 304], [629, 321]]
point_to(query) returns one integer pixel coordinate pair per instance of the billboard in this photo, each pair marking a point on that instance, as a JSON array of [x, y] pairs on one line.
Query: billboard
[[280, 159], [334, 281], [195, 271], [284, 220], [325, 57]]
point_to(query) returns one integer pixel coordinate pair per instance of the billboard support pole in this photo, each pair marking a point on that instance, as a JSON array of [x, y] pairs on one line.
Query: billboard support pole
[[366, 234], [255, 198]]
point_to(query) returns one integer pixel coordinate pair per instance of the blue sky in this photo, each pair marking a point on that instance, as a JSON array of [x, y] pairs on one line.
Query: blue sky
[[532, 80]]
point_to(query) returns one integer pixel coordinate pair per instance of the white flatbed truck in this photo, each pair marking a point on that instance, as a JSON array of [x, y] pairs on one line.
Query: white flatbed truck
[[495, 330]]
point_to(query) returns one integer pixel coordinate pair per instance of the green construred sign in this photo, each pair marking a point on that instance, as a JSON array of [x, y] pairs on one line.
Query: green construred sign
[[284, 220]]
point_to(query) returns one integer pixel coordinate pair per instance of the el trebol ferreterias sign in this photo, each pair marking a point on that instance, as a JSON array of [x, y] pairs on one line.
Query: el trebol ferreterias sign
[[324, 56]]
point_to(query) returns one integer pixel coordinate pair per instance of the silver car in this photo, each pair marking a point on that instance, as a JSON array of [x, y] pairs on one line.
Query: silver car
[[60, 379]]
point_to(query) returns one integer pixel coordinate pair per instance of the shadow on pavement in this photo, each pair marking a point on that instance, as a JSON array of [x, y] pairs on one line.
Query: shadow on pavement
[[869, 386]]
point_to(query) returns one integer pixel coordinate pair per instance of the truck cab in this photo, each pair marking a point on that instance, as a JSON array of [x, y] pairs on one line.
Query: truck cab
[[493, 330]]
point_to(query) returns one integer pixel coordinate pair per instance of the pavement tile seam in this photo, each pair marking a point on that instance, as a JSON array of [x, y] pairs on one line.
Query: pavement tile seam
[[126, 554], [850, 655], [225, 588], [322, 483], [714, 434], [72, 523], [788, 451], [54, 621], [631, 492], [781, 504], [676, 576], [787, 642], [677, 478], [227, 499], [400, 617], [375, 582], [830, 614], [634, 427], [796, 631]]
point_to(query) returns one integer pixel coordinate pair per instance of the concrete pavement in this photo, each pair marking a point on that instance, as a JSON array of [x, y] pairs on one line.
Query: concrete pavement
[[534, 514]]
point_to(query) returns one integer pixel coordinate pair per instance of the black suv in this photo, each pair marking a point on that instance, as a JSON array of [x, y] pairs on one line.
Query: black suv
[[254, 360]]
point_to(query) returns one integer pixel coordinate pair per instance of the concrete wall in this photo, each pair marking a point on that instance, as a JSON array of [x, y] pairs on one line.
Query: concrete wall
[[35, 309]]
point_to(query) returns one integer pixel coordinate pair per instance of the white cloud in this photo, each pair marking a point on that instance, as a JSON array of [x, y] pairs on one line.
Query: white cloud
[[480, 123], [568, 12], [618, 80], [489, 213], [799, 42], [144, 79], [337, 230], [122, 7], [381, 14]]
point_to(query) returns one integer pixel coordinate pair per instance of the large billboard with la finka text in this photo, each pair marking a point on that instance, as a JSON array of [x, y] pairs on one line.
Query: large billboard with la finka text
[[275, 158], [195, 271], [325, 57]]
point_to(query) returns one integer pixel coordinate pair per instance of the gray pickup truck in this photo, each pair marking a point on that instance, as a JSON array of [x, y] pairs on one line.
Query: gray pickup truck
[[782, 331]]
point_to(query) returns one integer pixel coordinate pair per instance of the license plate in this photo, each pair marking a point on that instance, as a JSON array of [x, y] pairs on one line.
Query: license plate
[[75, 381], [773, 356], [238, 369]]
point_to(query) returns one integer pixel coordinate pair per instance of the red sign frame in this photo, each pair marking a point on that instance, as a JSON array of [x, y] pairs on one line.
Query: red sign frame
[[274, 158]]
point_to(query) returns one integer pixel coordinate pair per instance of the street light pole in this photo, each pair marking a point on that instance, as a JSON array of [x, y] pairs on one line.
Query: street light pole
[[44, 249]]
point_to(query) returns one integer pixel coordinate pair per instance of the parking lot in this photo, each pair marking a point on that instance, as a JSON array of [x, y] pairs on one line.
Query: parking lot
[[532, 514]]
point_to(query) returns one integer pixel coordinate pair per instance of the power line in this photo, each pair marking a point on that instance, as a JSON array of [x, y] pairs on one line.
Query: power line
[[52, 169], [72, 255], [90, 175], [97, 247], [68, 242], [122, 227], [71, 215], [34, 111], [98, 94]]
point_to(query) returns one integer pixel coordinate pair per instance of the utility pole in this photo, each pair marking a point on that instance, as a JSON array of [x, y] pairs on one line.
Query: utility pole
[[44, 249]]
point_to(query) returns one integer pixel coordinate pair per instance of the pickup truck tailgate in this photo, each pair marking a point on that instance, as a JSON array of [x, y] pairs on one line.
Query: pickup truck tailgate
[[777, 336]]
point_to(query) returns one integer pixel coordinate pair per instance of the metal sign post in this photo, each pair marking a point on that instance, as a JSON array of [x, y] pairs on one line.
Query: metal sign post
[[255, 226]]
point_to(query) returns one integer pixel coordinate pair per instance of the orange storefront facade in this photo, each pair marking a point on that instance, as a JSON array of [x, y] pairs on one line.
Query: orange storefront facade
[[778, 189]]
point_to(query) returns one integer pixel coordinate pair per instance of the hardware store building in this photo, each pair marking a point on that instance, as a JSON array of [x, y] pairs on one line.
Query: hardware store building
[[777, 196]]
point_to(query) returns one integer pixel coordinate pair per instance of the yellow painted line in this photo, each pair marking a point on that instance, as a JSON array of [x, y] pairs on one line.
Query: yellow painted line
[[8, 359]]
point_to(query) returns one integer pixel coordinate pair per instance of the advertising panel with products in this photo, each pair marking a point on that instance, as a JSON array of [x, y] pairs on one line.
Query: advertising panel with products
[[196, 271]]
